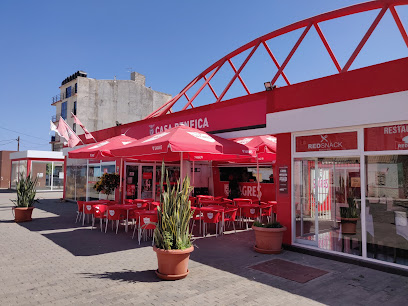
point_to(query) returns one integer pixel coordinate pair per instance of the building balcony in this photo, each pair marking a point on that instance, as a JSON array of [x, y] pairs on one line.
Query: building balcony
[[61, 97]]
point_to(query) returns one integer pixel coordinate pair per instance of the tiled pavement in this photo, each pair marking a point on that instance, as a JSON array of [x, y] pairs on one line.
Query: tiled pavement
[[52, 260]]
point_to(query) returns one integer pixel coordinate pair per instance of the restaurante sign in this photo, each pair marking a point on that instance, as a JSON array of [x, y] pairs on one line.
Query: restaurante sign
[[381, 138]]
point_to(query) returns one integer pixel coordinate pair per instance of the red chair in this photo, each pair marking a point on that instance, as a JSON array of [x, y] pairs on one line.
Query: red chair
[[211, 216], [250, 212], [203, 197], [239, 202], [197, 216], [99, 213], [141, 204], [274, 209], [115, 214], [88, 210], [80, 210], [230, 215], [128, 201], [146, 222], [266, 210], [193, 201]]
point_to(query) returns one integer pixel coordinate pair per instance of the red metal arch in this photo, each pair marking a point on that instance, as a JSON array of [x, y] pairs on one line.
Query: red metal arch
[[383, 5]]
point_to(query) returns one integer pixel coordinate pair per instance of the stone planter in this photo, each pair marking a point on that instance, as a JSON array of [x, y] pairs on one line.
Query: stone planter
[[268, 240], [173, 264]]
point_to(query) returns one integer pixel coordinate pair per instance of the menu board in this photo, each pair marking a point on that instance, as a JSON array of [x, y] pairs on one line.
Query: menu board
[[283, 179]]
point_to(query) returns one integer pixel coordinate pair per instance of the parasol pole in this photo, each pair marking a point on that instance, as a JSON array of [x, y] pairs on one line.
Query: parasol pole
[[257, 177], [181, 168], [120, 180]]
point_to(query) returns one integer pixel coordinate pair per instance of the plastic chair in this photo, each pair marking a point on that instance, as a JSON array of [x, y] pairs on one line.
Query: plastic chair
[[203, 197], [80, 210], [146, 222], [115, 214], [230, 215], [266, 211], [88, 210], [274, 209], [197, 216], [211, 216], [193, 201], [141, 204], [250, 212], [99, 213]]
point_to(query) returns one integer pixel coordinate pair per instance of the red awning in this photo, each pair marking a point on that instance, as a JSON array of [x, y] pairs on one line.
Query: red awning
[[102, 149]]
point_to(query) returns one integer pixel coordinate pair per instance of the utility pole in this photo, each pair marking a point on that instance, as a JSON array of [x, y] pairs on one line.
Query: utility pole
[[18, 143]]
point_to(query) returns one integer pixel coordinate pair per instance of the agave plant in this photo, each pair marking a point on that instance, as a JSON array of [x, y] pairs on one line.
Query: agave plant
[[26, 191], [174, 214]]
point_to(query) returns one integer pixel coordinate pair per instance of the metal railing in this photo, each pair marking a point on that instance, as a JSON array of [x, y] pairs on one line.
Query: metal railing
[[63, 96]]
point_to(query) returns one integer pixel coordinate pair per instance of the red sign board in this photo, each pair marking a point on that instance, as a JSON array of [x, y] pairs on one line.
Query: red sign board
[[228, 116], [327, 142], [382, 138]]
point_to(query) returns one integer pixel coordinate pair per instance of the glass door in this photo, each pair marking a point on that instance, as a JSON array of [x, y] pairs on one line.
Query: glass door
[[132, 181], [305, 192], [147, 182], [327, 195]]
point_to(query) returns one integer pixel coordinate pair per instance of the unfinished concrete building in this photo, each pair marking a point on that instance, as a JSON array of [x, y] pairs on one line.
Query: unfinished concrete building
[[100, 104]]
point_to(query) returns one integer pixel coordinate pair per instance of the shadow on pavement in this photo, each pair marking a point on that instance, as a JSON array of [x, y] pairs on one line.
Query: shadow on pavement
[[129, 276]]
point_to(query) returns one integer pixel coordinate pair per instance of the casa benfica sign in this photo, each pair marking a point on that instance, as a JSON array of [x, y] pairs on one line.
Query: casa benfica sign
[[327, 142], [382, 138]]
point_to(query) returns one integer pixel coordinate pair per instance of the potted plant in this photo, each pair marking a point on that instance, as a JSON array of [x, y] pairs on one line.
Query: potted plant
[[349, 216], [25, 198], [172, 238], [107, 183], [268, 237]]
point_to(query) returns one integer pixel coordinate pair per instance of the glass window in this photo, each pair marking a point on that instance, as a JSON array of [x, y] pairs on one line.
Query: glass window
[[75, 108], [64, 110], [387, 208], [68, 92], [74, 127], [76, 87], [17, 168], [247, 174], [75, 188]]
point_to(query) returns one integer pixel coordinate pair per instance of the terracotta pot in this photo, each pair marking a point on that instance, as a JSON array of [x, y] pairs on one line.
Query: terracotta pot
[[173, 264], [348, 225], [22, 214], [268, 240]]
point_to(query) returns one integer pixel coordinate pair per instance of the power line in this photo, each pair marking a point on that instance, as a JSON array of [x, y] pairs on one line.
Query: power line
[[21, 133]]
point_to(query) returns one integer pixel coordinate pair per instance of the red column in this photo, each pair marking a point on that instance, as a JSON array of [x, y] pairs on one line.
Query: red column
[[28, 167], [284, 209]]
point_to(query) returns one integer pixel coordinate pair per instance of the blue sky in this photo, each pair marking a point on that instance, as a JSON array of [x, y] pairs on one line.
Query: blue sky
[[170, 42]]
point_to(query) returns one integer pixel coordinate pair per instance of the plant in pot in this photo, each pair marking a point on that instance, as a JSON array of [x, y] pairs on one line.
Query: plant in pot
[[172, 238], [268, 237], [107, 183], [25, 198], [349, 216]]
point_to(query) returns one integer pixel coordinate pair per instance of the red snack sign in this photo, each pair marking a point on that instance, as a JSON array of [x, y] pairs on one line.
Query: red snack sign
[[382, 138], [327, 142]]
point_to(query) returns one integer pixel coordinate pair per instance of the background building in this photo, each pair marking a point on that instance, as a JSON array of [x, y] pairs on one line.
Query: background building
[[5, 168], [100, 104]]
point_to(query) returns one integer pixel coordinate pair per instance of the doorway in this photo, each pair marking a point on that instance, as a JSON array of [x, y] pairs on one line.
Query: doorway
[[327, 197]]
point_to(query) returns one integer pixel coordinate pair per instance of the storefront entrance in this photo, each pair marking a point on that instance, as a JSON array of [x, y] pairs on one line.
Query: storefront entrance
[[142, 181], [327, 197]]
